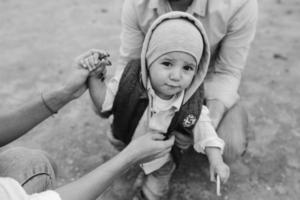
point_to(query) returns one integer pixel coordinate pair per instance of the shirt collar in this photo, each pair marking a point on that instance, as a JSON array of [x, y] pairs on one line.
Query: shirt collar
[[154, 4], [175, 105], [178, 102], [197, 7]]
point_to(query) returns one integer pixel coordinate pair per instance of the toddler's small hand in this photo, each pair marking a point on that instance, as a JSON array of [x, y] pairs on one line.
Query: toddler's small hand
[[221, 169]]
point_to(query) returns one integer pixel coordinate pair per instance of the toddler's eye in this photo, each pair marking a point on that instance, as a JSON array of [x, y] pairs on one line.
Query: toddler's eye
[[166, 63], [189, 68]]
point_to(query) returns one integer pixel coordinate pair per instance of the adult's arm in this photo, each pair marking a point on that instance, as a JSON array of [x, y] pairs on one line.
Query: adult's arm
[[221, 86], [17, 122], [148, 147], [143, 149]]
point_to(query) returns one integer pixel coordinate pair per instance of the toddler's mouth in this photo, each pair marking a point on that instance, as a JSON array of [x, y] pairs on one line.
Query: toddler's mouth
[[172, 86]]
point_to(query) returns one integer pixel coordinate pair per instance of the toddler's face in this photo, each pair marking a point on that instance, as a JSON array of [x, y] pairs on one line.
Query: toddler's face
[[172, 73]]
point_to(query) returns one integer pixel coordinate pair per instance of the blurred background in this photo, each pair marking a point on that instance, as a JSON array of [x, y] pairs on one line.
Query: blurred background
[[40, 39]]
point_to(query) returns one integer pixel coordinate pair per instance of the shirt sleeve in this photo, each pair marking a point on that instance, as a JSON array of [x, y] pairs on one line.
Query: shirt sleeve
[[223, 82], [132, 36], [205, 135], [47, 195], [12, 190]]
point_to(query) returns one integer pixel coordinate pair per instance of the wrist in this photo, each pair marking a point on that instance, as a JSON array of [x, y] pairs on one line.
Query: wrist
[[54, 100], [214, 155], [216, 162], [66, 93], [49, 108], [128, 156]]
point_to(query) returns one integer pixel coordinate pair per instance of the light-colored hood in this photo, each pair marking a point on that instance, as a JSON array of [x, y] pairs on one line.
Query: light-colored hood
[[203, 64]]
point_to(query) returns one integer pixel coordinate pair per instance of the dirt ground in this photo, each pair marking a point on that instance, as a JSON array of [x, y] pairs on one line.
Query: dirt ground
[[40, 39]]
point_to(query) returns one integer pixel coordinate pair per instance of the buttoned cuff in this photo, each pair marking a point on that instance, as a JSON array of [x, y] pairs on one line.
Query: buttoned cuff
[[209, 142]]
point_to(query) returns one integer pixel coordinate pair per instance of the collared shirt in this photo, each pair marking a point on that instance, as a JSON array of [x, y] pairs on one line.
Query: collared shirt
[[230, 26], [158, 116], [12, 190]]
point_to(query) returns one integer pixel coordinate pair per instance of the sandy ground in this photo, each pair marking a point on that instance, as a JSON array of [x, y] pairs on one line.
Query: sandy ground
[[40, 39]]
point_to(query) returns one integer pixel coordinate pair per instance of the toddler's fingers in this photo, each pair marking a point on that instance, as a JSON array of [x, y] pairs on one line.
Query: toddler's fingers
[[157, 136], [212, 174], [223, 178], [226, 175]]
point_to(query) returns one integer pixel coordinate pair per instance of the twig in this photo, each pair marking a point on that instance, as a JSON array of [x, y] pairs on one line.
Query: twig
[[218, 186]]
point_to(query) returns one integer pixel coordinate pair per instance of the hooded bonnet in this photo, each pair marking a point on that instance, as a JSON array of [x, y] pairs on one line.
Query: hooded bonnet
[[176, 31]]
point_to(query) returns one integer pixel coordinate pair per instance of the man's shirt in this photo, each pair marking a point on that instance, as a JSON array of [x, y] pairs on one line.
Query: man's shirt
[[230, 26], [12, 190]]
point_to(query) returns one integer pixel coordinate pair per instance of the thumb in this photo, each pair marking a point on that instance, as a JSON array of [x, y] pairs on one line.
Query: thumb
[[170, 141], [158, 136]]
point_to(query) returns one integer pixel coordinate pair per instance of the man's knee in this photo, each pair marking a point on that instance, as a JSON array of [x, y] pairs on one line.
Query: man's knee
[[33, 169], [233, 129]]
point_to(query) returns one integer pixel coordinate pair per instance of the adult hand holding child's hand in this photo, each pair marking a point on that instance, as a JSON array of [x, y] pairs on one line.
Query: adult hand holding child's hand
[[90, 63], [95, 61]]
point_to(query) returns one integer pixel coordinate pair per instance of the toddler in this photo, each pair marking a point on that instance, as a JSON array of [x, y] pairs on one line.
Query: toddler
[[162, 92]]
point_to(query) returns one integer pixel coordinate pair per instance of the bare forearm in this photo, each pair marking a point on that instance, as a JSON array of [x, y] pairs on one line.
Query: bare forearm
[[19, 121], [214, 155], [97, 89], [143, 149], [92, 185]]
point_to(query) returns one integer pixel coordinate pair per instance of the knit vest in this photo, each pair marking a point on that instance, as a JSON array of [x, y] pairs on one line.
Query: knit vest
[[131, 102]]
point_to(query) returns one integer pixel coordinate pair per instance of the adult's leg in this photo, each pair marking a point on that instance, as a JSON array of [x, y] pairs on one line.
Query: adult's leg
[[33, 169], [233, 129]]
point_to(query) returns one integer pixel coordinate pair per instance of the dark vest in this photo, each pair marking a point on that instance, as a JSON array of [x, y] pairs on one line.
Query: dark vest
[[131, 101]]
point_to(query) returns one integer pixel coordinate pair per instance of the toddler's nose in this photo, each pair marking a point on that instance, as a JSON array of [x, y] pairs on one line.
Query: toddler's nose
[[175, 74]]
